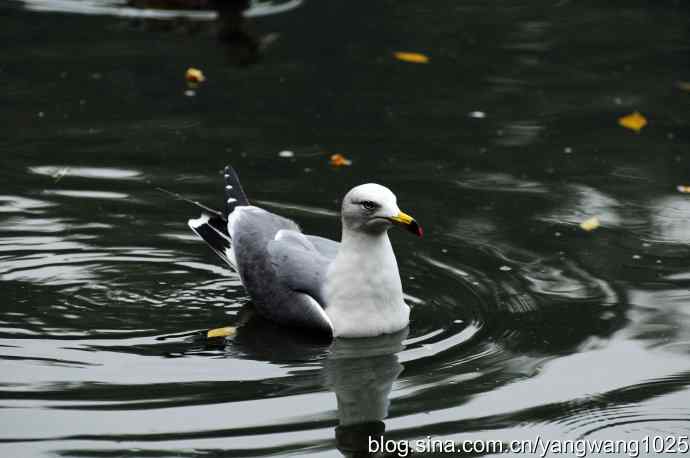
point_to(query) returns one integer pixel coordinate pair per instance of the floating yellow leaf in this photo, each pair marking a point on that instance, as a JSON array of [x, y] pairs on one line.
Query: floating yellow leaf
[[413, 57], [683, 188], [194, 76], [338, 160], [634, 121], [590, 224], [227, 331]]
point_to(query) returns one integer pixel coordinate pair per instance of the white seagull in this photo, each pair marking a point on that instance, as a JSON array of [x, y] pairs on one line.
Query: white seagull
[[346, 289]]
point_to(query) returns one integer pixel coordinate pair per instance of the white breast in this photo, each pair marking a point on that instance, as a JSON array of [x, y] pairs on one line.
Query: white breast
[[363, 291]]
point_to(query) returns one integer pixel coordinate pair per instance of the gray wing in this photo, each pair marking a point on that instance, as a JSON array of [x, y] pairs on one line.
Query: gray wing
[[282, 274], [301, 261], [327, 247]]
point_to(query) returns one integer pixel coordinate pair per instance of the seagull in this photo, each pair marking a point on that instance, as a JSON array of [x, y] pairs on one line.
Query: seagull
[[350, 288]]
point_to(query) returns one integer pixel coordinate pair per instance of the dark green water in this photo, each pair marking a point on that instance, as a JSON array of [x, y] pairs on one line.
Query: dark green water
[[523, 324]]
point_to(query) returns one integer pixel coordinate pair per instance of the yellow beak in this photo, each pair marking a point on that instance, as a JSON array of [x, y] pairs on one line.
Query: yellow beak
[[408, 222]]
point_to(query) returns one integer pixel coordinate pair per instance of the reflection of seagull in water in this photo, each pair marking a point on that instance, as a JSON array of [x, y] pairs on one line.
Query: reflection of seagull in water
[[361, 373], [347, 289]]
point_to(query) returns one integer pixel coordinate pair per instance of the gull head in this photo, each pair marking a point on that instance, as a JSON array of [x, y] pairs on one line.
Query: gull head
[[372, 209]]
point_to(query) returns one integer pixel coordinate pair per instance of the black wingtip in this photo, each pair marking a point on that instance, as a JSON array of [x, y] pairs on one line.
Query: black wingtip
[[213, 230], [234, 194]]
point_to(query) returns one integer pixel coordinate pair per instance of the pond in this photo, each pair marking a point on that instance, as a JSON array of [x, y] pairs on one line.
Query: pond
[[550, 295]]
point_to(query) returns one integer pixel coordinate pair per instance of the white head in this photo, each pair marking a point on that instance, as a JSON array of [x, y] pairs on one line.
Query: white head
[[372, 209]]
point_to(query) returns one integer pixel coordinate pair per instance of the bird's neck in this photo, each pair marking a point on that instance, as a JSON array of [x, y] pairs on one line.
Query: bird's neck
[[368, 260], [360, 242]]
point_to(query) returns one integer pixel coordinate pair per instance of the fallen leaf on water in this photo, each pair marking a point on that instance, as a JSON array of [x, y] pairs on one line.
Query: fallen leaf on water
[[683, 188], [338, 160], [683, 85], [227, 331], [414, 57], [194, 76], [634, 121], [590, 224]]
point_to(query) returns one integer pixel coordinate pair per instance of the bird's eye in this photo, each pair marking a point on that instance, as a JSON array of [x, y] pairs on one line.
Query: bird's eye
[[368, 205]]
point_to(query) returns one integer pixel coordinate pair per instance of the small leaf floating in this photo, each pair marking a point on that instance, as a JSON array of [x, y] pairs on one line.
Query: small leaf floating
[[412, 57], [590, 224], [338, 160], [227, 331], [194, 76], [634, 121]]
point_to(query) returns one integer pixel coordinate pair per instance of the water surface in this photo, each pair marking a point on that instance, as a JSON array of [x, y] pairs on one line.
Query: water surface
[[523, 324]]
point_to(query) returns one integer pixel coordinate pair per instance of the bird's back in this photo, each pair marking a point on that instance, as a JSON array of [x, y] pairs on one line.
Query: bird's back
[[252, 230], [241, 235]]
